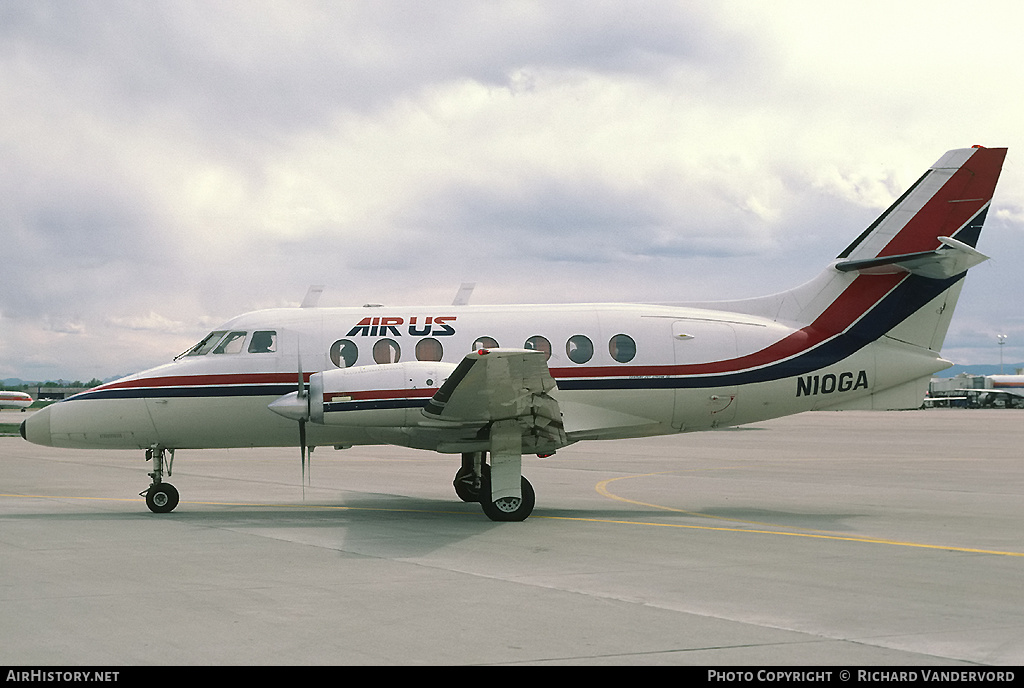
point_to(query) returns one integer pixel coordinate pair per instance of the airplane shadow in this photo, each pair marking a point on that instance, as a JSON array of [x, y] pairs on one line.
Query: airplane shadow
[[397, 508], [394, 526]]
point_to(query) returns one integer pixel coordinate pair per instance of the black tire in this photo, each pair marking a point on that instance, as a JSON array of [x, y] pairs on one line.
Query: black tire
[[509, 508], [162, 498], [463, 484]]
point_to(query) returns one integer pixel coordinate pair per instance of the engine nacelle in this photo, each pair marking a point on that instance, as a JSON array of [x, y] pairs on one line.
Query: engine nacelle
[[390, 394]]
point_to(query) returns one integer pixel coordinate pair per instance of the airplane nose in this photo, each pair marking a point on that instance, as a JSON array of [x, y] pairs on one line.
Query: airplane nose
[[36, 429]]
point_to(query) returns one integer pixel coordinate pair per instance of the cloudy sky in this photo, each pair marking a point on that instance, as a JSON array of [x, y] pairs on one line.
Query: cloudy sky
[[167, 165]]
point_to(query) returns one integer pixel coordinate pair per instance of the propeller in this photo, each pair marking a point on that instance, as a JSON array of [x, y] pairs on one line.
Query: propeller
[[295, 406], [302, 396]]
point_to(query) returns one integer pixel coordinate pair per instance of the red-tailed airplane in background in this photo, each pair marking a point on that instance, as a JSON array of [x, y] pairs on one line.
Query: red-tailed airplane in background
[[491, 383]]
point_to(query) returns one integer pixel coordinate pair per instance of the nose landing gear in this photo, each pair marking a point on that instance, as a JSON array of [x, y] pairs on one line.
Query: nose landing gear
[[161, 497]]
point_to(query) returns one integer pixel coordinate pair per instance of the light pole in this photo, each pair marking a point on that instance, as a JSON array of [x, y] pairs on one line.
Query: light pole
[[1002, 342]]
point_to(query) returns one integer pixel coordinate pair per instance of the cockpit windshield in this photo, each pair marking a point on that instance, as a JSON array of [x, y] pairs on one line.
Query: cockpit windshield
[[231, 344], [207, 343], [225, 342]]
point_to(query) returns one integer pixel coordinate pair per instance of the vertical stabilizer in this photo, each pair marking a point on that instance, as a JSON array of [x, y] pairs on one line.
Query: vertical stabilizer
[[901, 277]]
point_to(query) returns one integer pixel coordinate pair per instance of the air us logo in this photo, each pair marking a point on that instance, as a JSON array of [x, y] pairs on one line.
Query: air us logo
[[382, 326], [811, 385]]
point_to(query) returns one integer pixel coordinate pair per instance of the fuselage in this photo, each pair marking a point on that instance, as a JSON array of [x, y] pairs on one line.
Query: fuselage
[[1014, 382], [15, 400], [622, 371]]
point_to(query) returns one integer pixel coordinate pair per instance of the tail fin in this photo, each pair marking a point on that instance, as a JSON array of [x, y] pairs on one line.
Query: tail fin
[[901, 277], [951, 199]]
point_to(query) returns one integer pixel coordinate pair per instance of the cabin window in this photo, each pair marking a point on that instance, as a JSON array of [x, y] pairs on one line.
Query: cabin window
[[208, 342], [579, 348], [231, 344], [386, 351], [622, 348], [539, 343], [428, 349], [344, 353], [485, 343], [263, 342]]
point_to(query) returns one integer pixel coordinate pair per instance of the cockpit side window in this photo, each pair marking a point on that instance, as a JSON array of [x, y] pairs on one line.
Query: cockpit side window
[[231, 344], [263, 342], [207, 343]]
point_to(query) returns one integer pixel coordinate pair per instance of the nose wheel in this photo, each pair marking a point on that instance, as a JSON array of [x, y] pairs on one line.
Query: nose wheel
[[161, 497]]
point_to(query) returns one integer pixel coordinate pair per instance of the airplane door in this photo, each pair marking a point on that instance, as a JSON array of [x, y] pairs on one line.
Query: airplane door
[[696, 342]]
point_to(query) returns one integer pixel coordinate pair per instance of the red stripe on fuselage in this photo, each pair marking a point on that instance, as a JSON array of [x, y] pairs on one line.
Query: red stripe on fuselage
[[376, 394], [859, 297], [206, 380]]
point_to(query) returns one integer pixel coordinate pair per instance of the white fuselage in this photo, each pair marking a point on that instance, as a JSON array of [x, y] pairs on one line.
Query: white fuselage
[[15, 400], [622, 371]]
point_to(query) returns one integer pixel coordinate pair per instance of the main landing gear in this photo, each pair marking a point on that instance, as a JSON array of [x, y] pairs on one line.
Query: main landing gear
[[473, 484], [161, 497]]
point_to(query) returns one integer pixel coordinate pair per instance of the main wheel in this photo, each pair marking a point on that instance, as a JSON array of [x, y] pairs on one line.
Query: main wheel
[[162, 498], [508, 508], [464, 487]]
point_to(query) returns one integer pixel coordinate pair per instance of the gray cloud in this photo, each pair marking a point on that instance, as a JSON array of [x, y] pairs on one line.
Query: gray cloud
[[170, 164]]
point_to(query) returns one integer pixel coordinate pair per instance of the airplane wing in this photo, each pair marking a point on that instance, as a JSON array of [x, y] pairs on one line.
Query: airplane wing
[[500, 384], [1011, 391], [505, 392]]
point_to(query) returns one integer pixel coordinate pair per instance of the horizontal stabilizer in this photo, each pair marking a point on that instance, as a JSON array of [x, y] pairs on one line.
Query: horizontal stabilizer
[[949, 260]]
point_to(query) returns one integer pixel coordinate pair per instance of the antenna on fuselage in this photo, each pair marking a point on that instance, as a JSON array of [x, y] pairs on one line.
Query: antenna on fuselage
[[465, 291], [312, 296]]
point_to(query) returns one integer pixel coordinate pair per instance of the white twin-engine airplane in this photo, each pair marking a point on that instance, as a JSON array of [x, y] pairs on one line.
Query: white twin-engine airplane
[[864, 334]]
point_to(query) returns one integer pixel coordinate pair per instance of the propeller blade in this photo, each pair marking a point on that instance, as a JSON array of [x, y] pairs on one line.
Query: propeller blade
[[302, 397], [302, 447]]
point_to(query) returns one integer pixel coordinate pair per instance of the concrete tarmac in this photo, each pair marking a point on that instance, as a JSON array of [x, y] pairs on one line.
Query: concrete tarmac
[[851, 538]]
